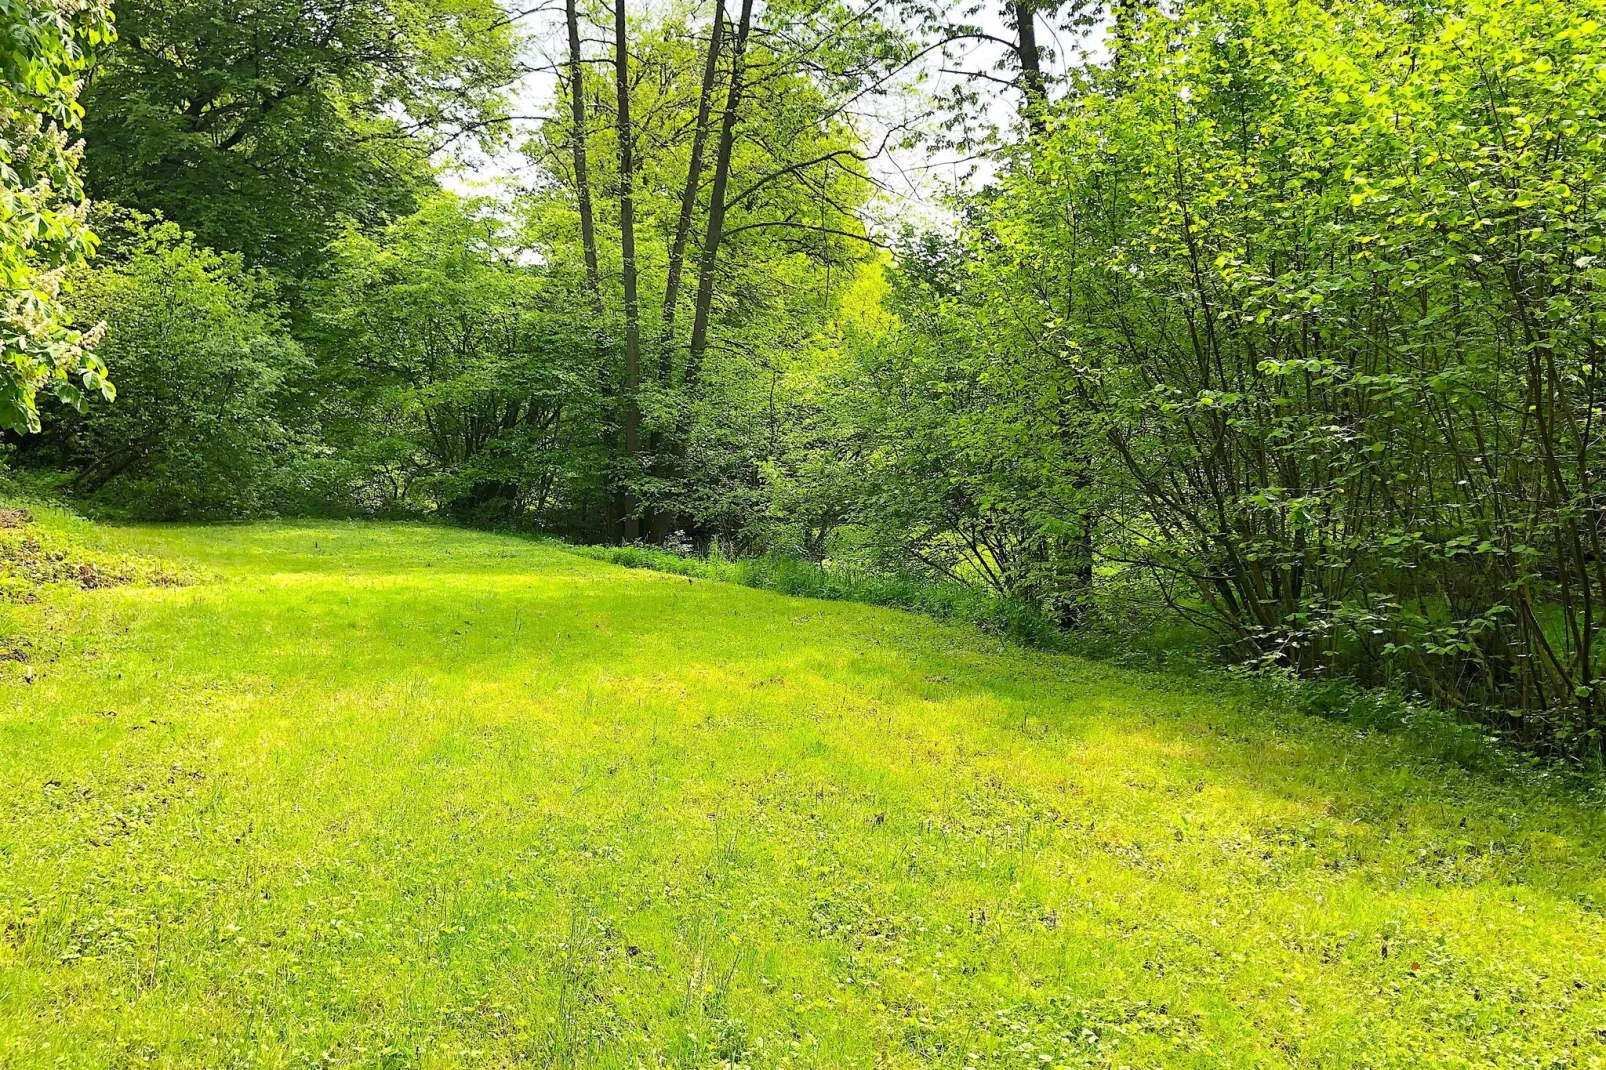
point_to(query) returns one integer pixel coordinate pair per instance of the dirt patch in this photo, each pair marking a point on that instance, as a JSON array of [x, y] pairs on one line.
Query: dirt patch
[[33, 557]]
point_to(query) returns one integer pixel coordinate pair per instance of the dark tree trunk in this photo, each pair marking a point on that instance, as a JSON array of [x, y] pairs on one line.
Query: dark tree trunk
[[1035, 89], [688, 196], [659, 519], [582, 177], [627, 251], [716, 203]]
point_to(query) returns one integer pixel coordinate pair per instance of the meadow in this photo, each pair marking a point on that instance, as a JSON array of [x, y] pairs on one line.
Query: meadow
[[363, 794]]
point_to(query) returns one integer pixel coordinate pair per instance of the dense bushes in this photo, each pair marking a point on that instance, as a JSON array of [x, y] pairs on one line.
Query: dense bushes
[[1337, 320], [1301, 303], [206, 423], [464, 381]]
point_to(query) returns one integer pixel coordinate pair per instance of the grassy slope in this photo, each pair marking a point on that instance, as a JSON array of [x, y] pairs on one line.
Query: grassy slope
[[395, 795]]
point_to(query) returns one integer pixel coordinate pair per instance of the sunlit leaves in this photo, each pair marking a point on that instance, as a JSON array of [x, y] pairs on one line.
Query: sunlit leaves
[[1338, 267], [44, 50]]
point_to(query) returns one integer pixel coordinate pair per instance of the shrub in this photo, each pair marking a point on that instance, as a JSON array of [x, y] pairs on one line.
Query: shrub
[[203, 425]]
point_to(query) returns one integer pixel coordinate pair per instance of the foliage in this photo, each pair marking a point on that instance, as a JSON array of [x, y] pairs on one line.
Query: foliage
[[207, 420], [1298, 301], [45, 47], [972, 460], [261, 126], [790, 241], [466, 382]]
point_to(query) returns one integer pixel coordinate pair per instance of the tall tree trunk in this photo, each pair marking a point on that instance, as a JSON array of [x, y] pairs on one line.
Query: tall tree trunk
[[582, 176], [716, 203], [688, 195], [627, 254], [661, 519], [1033, 86], [588, 225]]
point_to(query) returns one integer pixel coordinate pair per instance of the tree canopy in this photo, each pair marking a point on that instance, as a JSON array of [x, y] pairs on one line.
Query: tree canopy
[[259, 126]]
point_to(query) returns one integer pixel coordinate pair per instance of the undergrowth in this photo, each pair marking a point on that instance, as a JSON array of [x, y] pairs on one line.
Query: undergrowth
[[1013, 618]]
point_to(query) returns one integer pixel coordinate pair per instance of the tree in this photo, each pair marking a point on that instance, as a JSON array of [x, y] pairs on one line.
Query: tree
[[984, 60], [777, 172], [1326, 296], [260, 126], [627, 261], [689, 194], [464, 385], [577, 144], [717, 205], [45, 47]]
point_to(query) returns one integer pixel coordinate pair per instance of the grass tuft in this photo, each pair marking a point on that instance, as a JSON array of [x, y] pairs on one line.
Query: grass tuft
[[35, 555]]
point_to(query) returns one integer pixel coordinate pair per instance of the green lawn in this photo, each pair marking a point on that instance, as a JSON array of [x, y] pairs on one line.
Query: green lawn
[[391, 795]]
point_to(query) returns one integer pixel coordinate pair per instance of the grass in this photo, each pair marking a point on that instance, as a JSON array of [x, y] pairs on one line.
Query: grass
[[397, 795], [1116, 633], [34, 554]]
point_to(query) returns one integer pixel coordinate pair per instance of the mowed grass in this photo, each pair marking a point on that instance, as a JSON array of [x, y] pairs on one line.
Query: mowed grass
[[392, 795]]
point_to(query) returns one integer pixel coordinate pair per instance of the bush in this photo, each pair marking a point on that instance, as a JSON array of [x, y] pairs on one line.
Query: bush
[[203, 424]]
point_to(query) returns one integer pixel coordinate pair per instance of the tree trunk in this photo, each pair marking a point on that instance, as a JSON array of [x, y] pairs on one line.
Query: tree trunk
[[1035, 89], [688, 196], [716, 203], [627, 253], [613, 508], [582, 178], [659, 519]]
